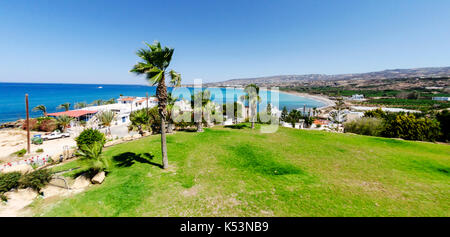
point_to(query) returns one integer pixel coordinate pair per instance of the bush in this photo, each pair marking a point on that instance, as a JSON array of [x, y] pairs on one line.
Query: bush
[[9, 181], [36, 179], [407, 126], [370, 126], [40, 150], [47, 125], [89, 137], [444, 122], [20, 153], [33, 125]]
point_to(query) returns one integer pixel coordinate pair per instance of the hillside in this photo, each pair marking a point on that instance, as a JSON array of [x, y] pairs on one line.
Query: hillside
[[241, 172], [285, 80]]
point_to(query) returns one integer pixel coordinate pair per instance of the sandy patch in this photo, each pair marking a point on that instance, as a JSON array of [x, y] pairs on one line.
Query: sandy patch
[[12, 140]]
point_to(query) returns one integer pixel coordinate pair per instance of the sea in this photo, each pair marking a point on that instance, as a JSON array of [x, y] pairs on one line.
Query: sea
[[12, 96]]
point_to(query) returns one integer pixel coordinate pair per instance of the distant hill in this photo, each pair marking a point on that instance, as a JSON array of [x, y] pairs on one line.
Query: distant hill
[[431, 72]]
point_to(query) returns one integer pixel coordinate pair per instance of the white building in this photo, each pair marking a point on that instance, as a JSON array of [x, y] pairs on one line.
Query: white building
[[441, 98]]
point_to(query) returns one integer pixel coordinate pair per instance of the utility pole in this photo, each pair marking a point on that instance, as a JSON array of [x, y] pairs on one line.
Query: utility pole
[[28, 124], [148, 117]]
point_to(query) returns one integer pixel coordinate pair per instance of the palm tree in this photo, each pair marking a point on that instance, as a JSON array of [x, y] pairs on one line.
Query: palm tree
[[97, 102], [63, 121], [139, 120], [41, 108], [198, 102], [252, 96], [65, 106], [91, 156], [106, 118], [80, 105], [154, 64], [110, 101]]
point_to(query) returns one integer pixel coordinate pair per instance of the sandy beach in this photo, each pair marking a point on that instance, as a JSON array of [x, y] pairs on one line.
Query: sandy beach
[[324, 99]]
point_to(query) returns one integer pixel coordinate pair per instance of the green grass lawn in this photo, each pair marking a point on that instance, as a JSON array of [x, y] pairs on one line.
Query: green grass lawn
[[240, 172]]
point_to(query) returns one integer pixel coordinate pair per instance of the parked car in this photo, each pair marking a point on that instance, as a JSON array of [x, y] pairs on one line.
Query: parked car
[[55, 135]]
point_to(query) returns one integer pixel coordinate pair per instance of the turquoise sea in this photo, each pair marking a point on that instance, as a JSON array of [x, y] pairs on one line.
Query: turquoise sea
[[12, 96]]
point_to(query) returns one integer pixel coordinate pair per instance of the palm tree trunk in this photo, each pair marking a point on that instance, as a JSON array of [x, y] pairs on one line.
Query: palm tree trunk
[[169, 127], [161, 94], [199, 127]]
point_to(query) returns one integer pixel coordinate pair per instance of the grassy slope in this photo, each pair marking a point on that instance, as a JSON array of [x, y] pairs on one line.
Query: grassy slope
[[226, 172]]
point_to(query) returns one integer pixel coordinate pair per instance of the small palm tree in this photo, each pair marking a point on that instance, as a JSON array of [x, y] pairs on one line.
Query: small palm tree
[[140, 119], [80, 105], [154, 65], [106, 118], [63, 121], [97, 102], [198, 102], [65, 106], [91, 156], [252, 96], [41, 108], [110, 101]]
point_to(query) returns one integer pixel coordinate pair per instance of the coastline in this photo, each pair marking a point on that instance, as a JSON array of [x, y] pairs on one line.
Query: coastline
[[323, 99]]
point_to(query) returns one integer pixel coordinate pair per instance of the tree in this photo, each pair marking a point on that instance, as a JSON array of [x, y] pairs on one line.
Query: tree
[[237, 110], [97, 102], [252, 96], [106, 118], [65, 106], [139, 121], [154, 65], [110, 101], [444, 123], [284, 114], [198, 102], [294, 117], [63, 121], [80, 105], [91, 156], [336, 115], [41, 108]]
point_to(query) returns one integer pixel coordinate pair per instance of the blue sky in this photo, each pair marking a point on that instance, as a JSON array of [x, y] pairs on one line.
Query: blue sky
[[95, 41]]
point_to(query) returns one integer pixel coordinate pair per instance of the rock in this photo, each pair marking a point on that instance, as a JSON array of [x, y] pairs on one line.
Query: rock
[[81, 182], [98, 178], [22, 168]]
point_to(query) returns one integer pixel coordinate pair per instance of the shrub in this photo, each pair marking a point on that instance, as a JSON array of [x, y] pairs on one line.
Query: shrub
[[365, 126], [89, 137], [20, 153], [407, 126], [9, 181], [33, 125], [444, 123], [40, 150], [36, 179], [47, 125]]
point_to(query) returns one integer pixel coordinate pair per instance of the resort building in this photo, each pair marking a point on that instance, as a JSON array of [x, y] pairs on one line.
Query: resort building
[[441, 98]]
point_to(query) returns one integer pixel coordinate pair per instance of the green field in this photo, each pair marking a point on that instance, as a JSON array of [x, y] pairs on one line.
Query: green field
[[240, 172]]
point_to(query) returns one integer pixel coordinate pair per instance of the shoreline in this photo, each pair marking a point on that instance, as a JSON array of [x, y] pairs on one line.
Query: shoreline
[[323, 99]]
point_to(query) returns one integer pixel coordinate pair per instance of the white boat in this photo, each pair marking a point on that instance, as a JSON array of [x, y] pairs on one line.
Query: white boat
[[100, 87]]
